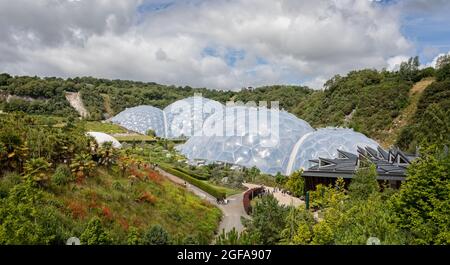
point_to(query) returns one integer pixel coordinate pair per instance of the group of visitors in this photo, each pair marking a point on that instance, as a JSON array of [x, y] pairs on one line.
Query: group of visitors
[[222, 201]]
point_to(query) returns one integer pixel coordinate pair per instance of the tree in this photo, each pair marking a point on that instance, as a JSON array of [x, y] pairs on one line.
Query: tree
[[62, 175], [443, 68], [156, 235], [134, 237], [268, 220], [36, 169], [280, 179], [95, 234], [442, 61], [233, 237], [82, 165], [422, 206], [26, 218], [298, 228], [409, 70], [150, 133], [295, 184], [364, 183]]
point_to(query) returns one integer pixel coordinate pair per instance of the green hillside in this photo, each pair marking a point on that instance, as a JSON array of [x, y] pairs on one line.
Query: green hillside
[[369, 101], [55, 183]]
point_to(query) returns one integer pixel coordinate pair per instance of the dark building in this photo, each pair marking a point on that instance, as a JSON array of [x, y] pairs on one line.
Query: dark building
[[390, 165]]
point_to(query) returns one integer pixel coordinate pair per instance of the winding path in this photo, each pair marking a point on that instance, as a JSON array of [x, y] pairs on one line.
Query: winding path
[[232, 211]]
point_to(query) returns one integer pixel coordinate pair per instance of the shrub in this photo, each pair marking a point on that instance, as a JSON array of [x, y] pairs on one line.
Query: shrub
[[62, 175], [156, 235], [146, 197], [8, 182], [77, 209], [133, 238], [364, 183], [94, 234]]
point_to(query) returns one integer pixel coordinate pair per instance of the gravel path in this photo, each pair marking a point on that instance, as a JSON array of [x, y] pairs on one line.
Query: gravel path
[[283, 199], [232, 211]]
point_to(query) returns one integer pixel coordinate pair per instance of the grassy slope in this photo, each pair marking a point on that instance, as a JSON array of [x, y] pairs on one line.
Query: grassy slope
[[109, 128], [116, 200], [406, 114]]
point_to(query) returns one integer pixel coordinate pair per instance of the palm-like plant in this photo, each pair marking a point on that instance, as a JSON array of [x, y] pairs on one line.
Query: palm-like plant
[[82, 165], [36, 169], [107, 154]]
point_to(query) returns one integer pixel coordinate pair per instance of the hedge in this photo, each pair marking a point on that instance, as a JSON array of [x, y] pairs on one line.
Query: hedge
[[196, 182], [192, 174]]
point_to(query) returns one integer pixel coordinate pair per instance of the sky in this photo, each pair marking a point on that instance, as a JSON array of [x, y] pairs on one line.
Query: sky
[[219, 44]]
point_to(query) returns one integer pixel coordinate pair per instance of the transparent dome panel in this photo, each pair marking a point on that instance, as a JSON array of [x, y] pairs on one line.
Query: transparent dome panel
[[325, 143], [141, 119], [101, 138], [266, 147], [185, 117]]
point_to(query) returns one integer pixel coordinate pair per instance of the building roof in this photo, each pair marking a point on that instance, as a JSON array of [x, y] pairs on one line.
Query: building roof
[[390, 164]]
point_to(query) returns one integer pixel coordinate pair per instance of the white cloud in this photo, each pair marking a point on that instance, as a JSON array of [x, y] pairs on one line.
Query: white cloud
[[393, 63], [281, 41], [434, 61]]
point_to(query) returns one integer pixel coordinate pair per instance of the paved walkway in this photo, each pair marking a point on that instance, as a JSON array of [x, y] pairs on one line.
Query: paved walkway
[[232, 211], [283, 199]]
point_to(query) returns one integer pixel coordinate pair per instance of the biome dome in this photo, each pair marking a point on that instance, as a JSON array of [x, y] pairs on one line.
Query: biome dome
[[180, 118], [266, 149], [325, 143], [186, 116], [141, 119], [101, 138]]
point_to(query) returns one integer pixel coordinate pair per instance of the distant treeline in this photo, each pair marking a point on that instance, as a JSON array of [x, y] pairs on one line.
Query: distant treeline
[[366, 100]]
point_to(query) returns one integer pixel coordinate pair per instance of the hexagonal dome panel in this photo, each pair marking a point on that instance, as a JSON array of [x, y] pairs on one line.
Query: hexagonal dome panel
[[324, 143], [141, 119], [266, 147], [186, 116]]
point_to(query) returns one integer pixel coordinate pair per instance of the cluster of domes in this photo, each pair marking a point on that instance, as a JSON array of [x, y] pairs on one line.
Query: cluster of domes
[[271, 140], [180, 118]]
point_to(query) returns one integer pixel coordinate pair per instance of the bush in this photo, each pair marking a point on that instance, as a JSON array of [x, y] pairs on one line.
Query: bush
[[364, 183], [62, 175], [94, 234], [26, 217], [156, 235], [8, 182], [134, 237]]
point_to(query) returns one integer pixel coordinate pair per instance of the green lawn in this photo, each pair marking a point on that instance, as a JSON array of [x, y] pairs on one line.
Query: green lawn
[[135, 138], [109, 128]]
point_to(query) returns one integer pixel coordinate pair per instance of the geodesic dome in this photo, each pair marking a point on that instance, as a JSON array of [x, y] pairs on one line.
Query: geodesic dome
[[325, 143], [186, 116], [141, 119], [101, 138], [268, 148]]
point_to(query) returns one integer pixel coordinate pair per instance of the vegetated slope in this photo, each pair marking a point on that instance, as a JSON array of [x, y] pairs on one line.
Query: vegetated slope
[[54, 182], [431, 122], [376, 103], [366, 100], [407, 113]]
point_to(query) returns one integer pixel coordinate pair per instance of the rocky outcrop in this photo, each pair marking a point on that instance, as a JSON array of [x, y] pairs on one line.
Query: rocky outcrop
[[76, 102]]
